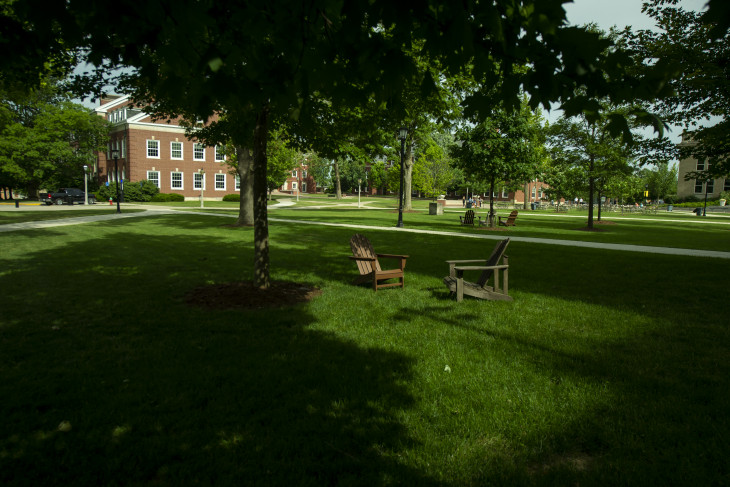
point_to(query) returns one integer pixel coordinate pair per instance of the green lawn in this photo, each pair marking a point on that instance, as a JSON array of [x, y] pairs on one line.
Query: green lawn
[[608, 368]]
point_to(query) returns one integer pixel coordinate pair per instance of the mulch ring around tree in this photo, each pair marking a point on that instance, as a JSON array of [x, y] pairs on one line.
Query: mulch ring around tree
[[244, 296]]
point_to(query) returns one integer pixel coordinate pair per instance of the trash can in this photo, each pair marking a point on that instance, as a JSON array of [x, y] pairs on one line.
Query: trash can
[[533, 206], [670, 207], [698, 211], [468, 204]]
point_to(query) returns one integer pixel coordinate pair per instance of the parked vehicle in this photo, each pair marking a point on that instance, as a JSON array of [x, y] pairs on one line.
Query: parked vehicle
[[67, 196]]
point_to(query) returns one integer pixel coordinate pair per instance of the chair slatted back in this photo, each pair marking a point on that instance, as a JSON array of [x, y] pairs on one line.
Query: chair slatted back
[[361, 247], [469, 217], [494, 259]]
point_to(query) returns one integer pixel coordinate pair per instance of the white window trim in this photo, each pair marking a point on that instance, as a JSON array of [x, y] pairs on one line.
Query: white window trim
[[219, 157], [701, 186], [196, 145], [293, 185], [182, 151], [182, 180], [294, 173], [237, 184], [148, 149], [197, 176], [158, 177], [215, 182]]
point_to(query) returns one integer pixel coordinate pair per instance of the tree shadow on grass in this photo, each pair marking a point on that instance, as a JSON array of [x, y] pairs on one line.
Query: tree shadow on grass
[[111, 379]]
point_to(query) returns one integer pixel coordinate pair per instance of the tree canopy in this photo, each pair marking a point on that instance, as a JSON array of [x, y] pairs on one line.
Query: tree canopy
[[258, 61], [698, 45]]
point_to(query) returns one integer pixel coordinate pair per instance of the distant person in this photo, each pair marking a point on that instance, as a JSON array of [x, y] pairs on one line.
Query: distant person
[[463, 201]]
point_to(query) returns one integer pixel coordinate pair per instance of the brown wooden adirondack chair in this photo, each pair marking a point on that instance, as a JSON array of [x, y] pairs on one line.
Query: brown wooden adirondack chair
[[510, 221], [369, 266], [467, 219], [480, 289]]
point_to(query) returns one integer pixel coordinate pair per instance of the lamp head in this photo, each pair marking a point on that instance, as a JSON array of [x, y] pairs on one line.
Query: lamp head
[[402, 133], [115, 153]]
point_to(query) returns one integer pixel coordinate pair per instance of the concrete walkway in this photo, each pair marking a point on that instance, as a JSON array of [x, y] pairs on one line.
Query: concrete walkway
[[154, 211]]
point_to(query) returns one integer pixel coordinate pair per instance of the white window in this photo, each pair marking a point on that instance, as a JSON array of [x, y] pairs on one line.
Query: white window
[[198, 152], [726, 186], [176, 180], [304, 174], [124, 147], [219, 155], [533, 191], [294, 174], [176, 150], [238, 183], [304, 187], [701, 165], [294, 185], [220, 182], [153, 149], [505, 193], [198, 180], [154, 177]]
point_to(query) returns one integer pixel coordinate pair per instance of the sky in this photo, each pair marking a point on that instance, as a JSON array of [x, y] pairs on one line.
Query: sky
[[607, 13]]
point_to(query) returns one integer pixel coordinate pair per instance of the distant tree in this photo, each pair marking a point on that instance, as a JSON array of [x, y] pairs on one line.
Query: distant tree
[[661, 180], [281, 160], [499, 149], [45, 139], [433, 171], [321, 170]]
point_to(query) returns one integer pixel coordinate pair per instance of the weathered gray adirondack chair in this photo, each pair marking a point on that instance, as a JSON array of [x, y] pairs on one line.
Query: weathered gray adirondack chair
[[369, 266], [491, 268]]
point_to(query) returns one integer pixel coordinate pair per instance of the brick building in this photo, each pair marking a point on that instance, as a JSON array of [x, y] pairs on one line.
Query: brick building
[[698, 187], [160, 152]]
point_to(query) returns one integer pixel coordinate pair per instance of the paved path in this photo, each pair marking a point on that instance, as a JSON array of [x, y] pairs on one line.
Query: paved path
[[485, 236]]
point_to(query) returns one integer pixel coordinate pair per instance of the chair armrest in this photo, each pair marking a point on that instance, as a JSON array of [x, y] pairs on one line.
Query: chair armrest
[[464, 261], [393, 256], [479, 267]]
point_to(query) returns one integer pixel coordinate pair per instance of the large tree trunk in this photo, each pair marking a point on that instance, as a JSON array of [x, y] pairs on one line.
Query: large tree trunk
[[261, 217], [245, 175], [408, 177], [338, 186]]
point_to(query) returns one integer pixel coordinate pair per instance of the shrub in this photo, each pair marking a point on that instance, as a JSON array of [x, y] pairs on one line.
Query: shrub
[[232, 197], [166, 197], [133, 191]]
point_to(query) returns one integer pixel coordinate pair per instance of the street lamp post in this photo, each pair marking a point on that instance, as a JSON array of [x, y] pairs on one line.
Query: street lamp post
[[359, 182], [402, 133], [86, 186], [202, 186], [115, 156]]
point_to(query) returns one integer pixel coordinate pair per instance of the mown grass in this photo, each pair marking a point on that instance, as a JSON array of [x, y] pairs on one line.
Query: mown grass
[[608, 368]]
